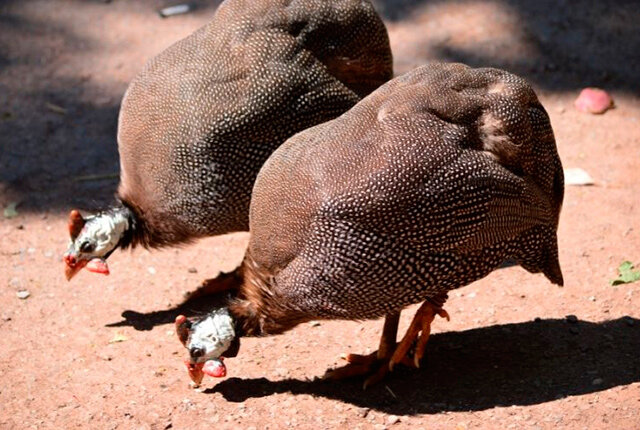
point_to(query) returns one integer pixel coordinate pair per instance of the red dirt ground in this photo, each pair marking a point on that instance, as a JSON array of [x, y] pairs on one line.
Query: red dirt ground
[[509, 358]]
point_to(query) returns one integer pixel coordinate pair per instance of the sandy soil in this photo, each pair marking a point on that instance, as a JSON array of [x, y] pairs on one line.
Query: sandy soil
[[508, 359]]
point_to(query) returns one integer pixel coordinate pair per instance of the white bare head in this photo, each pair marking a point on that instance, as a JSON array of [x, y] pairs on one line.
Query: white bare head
[[211, 336], [208, 341], [93, 239]]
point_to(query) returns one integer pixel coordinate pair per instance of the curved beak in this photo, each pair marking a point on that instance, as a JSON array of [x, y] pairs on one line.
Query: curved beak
[[196, 374], [73, 265]]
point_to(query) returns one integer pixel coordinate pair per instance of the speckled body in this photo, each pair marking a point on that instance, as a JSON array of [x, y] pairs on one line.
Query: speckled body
[[426, 185], [199, 121]]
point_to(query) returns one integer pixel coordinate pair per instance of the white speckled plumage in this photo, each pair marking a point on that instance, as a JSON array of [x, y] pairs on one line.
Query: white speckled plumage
[[426, 185], [199, 121], [201, 118]]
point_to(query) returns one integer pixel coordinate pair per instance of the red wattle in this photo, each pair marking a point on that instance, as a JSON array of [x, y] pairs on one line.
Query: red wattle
[[98, 265], [215, 368]]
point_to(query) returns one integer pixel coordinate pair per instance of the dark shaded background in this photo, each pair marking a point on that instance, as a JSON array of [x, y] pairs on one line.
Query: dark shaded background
[[52, 161]]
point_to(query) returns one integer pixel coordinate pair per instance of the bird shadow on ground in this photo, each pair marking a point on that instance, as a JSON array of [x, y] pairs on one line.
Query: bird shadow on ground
[[513, 364], [199, 302]]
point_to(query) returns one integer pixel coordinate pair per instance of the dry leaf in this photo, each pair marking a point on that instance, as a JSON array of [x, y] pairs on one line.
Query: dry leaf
[[118, 337], [56, 109], [10, 211]]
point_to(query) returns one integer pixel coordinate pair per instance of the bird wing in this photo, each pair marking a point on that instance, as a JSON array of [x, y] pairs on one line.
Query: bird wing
[[461, 199]]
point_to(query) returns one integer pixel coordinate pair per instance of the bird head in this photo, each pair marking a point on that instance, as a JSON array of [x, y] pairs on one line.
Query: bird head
[[208, 340], [93, 239]]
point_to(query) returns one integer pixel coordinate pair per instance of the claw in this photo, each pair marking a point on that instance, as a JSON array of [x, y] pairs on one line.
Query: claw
[[420, 330], [378, 364]]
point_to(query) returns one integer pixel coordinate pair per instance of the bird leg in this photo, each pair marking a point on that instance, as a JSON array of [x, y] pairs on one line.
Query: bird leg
[[375, 364], [421, 323], [223, 282]]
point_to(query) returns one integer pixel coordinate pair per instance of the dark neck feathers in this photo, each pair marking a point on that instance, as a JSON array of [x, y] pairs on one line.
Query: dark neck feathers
[[150, 230], [258, 309]]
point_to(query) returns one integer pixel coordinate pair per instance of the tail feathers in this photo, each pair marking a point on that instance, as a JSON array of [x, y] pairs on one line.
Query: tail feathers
[[552, 270], [545, 260]]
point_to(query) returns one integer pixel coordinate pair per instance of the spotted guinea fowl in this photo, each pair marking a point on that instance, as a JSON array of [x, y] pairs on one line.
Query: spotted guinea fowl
[[426, 185], [202, 117]]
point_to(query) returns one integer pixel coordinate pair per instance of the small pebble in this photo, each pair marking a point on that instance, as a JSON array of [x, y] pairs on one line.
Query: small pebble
[[572, 319], [392, 419], [281, 372], [380, 427], [6, 317], [174, 10], [593, 100], [192, 270], [363, 412], [577, 176], [23, 294], [315, 323], [597, 381], [151, 270]]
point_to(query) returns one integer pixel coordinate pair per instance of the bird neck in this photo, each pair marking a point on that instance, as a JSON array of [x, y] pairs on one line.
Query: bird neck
[[152, 229], [130, 235], [258, 309]]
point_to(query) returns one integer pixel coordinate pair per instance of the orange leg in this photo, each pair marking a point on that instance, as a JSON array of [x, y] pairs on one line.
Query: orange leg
[[375, 364], [421, 323]]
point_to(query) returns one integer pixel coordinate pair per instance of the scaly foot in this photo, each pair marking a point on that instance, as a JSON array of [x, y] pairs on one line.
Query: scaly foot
[[374, 365], [418, 331]]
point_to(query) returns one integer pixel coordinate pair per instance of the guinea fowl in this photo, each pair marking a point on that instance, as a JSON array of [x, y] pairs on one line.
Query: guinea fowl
[[426, 185], [202, 117]]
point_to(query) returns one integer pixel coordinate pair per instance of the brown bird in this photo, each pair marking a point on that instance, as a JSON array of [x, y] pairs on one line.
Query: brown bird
[[202, 117], [426, 185]]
